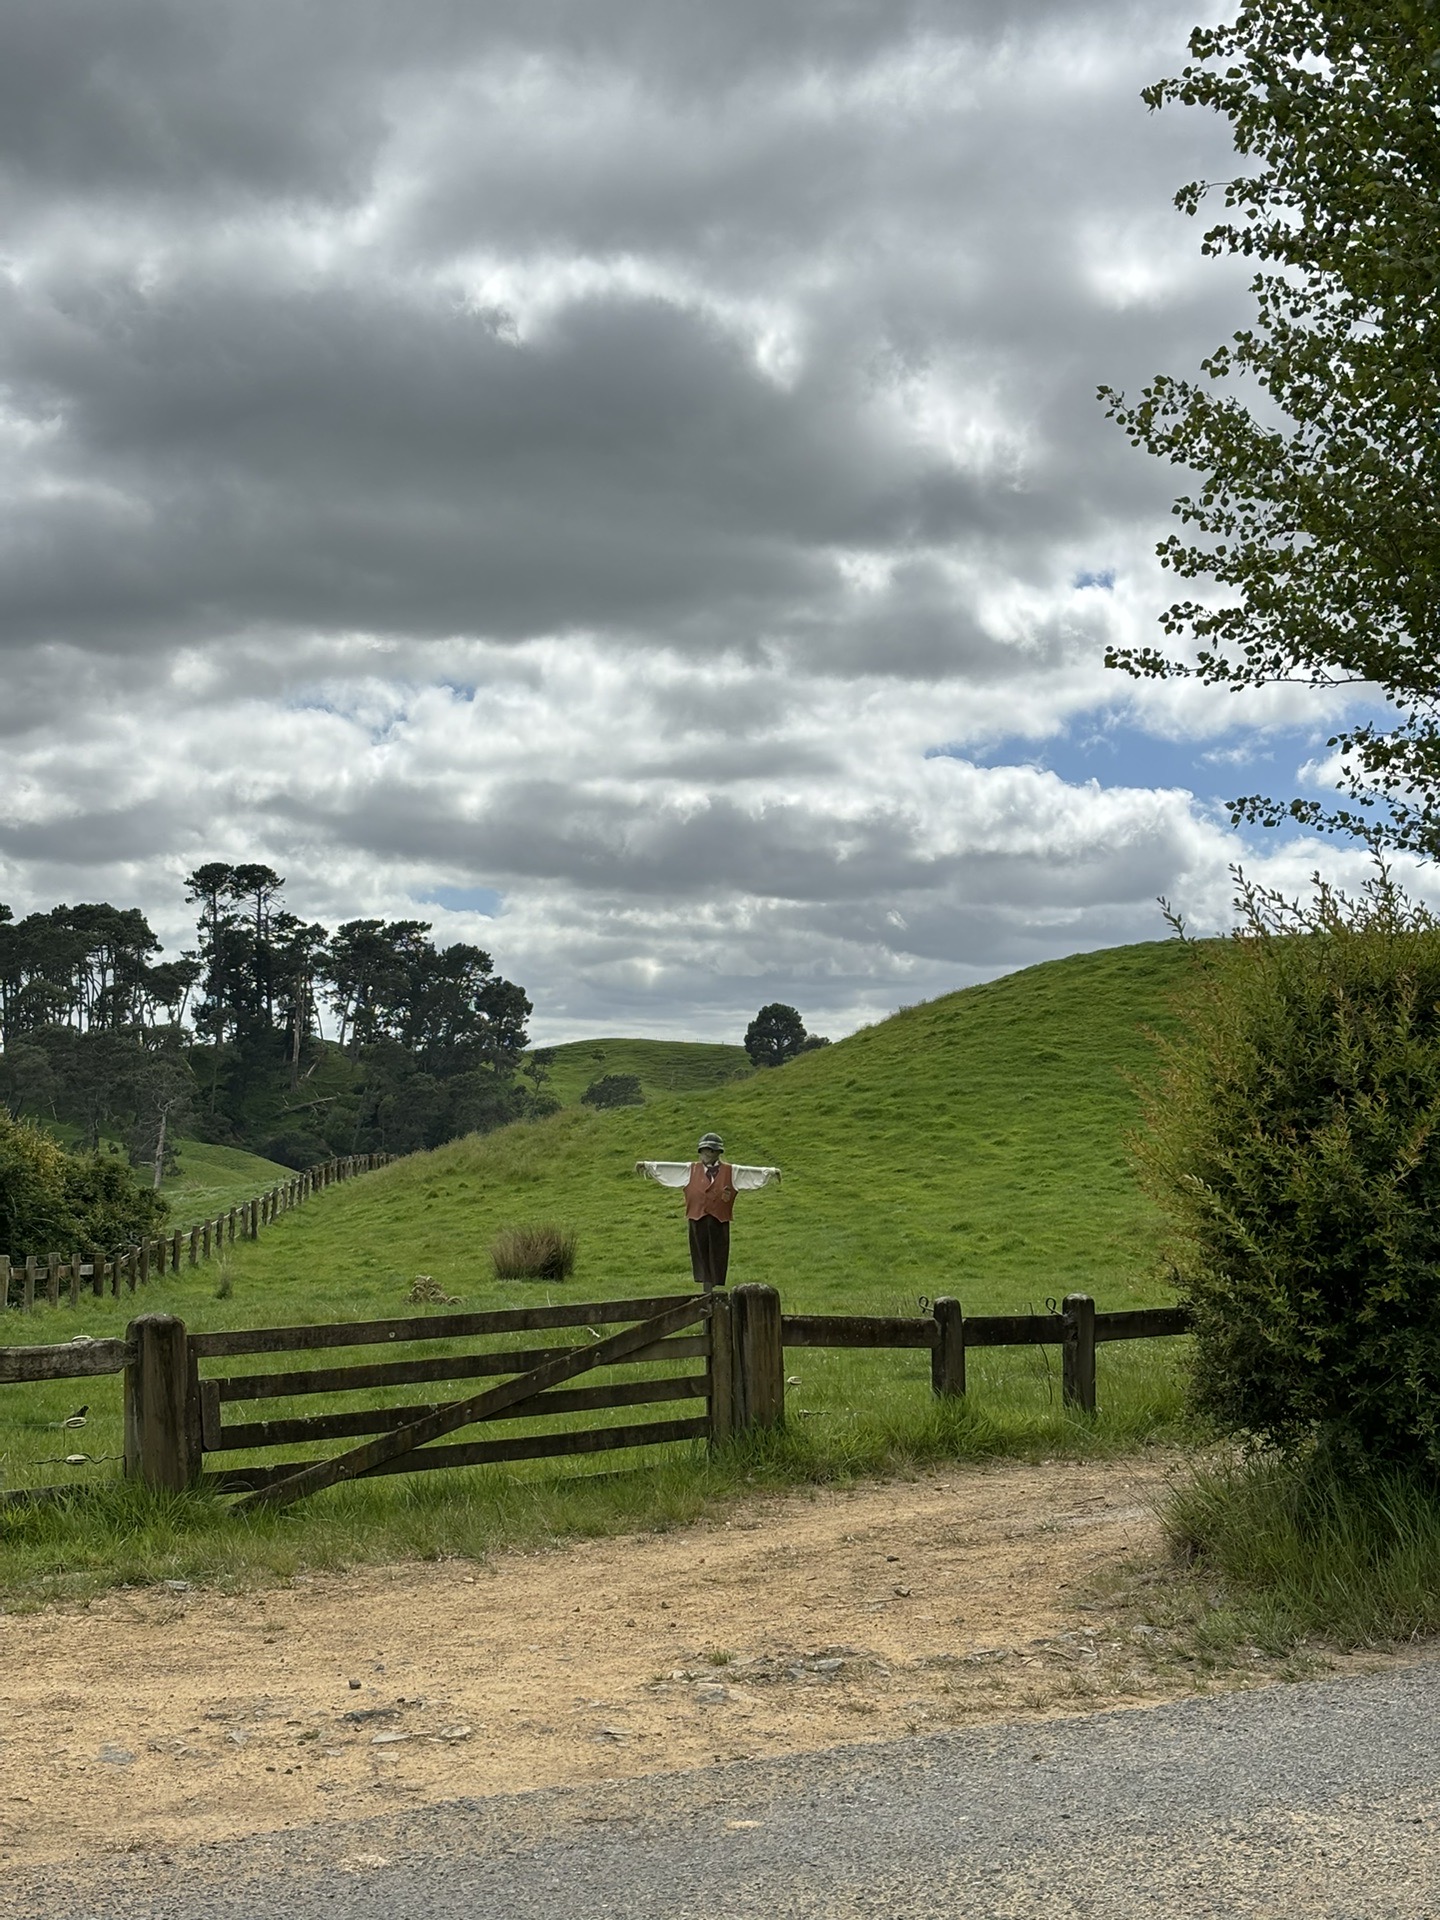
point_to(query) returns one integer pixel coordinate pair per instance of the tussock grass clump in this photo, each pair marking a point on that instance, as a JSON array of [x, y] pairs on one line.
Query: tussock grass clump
[[544, 1252], [1304, 1549]]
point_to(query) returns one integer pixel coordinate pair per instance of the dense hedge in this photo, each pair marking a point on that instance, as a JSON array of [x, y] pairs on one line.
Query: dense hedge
[[1294, 1138]]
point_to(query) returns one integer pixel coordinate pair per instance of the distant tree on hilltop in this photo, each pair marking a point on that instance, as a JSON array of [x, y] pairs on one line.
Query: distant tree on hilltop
[[777, 1034]]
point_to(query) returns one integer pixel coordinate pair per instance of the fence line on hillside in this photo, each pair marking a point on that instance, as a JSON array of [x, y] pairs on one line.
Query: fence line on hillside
[[47, 1279], [174, 1416]]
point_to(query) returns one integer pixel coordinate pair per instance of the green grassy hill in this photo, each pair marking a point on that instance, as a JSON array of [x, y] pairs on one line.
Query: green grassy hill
[[973, 1146], [663, 1067]]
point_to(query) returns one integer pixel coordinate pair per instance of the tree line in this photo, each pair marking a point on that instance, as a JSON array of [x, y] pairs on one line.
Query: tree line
[[226, 1042]]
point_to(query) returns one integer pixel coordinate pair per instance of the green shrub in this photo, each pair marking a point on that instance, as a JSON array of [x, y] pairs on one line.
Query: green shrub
[[534, 1253], [54, 1202], [1293, 1139], [614, 1090]]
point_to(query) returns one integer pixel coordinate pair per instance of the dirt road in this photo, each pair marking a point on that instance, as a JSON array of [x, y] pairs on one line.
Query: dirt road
[[157, 1719]]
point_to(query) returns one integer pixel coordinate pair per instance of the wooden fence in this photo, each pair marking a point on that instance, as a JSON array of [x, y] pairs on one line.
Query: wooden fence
[[47, 1279], [176, 1414]]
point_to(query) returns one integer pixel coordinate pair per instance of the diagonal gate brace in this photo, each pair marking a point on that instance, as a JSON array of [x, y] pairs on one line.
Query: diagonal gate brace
[[481, 1406]]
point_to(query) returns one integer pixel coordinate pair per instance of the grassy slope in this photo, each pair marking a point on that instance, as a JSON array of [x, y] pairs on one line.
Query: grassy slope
[[973, 1146], [663, 1067], [209, 1179]]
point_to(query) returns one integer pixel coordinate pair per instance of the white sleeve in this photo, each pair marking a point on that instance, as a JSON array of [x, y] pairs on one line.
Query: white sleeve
[[747, 1179], [670, 1173]]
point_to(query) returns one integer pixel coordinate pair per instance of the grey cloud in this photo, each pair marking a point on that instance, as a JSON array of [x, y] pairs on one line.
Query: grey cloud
[[95, 837], [595, 840], [311, 461], [293, 97], [346, 451]]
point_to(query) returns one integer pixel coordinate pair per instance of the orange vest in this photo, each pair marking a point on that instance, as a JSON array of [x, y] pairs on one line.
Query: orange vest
[[713, 1198]]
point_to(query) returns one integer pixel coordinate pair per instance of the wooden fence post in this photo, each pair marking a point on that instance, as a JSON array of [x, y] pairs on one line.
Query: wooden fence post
[[1078, 1348], [759, 1354], [52, 1279], [77, 1274], [160, 1418], [194, 1246], [721, 1370], [947, 1356], [97, 1272], [4, 1281], [31, 1268]]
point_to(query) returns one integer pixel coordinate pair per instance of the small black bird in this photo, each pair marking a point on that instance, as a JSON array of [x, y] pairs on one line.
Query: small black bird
[[77, 1418]]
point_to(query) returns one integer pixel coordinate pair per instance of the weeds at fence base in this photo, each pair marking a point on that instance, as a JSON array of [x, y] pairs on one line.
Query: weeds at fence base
[[534, 1253]]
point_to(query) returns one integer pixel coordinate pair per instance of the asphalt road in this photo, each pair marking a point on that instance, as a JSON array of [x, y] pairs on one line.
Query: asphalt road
[[1320, 1799]]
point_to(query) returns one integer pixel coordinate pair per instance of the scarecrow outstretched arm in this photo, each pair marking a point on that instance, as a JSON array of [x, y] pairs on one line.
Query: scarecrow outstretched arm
[[747, 1179], [670, 1173]]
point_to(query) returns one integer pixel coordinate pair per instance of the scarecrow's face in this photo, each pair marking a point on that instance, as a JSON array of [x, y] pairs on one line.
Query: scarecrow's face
[[709, 1156]]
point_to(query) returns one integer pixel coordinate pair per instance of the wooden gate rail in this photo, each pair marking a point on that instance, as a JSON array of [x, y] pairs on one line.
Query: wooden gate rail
[[74, 1360], [247, 1434], [432, 1326], [481, 1453], [406, 1373]]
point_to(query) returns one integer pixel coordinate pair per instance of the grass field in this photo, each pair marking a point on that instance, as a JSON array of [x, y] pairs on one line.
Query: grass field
[[209, 1180], [663, 1067], [971, 1146]]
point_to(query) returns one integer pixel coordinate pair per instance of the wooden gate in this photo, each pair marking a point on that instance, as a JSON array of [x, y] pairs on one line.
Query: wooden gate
[[403, 1435]]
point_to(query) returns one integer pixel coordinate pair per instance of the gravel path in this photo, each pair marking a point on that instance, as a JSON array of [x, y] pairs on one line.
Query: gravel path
[[1314, 1800]]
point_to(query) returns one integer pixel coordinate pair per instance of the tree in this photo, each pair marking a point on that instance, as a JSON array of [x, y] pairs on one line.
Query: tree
[[1314, 526], [614, 1090], [775, 1035], [210, 888]]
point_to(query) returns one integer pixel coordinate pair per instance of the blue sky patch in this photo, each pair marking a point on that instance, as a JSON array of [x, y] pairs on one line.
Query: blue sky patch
[[484, 900], [1119, 754]]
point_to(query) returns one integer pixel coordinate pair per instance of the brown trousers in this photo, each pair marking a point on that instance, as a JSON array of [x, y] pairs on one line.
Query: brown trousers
[[709, 1251]]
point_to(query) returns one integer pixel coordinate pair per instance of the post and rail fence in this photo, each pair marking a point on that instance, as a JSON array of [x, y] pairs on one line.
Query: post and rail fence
[[175, 1414], [47, 1279]]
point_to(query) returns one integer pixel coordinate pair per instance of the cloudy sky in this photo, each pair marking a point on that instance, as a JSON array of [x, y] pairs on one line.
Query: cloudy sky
[[619, 479]]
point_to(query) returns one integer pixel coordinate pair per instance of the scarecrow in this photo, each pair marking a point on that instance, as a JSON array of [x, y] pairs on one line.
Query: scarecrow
[[710, 1185]]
